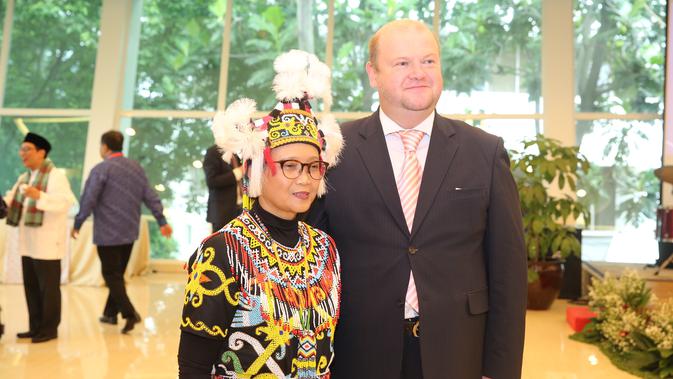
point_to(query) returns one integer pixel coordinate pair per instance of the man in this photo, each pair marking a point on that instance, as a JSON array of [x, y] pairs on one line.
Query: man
[[426, 217], [114, 192], [222, 179], [38, 211]]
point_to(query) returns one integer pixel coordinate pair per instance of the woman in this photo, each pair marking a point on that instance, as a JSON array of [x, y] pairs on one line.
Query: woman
[[262, 299]]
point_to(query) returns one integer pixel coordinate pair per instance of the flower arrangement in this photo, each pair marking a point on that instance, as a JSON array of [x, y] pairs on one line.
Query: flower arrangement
[[632, 327]]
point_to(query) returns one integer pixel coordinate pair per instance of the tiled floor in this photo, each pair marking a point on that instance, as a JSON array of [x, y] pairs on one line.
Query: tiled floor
[[87, 349]]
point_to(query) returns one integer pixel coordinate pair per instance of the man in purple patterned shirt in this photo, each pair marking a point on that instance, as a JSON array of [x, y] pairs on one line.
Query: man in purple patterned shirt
[[114, 192]]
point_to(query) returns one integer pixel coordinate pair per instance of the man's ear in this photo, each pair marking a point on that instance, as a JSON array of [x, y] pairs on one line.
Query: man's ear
[[371, 73]]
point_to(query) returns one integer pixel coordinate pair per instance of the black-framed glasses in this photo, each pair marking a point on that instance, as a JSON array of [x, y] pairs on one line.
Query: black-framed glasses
[[292, 168]]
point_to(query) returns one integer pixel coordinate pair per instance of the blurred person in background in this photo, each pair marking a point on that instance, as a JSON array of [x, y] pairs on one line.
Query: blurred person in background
[[114, 192], [38, 213], [223, 177]]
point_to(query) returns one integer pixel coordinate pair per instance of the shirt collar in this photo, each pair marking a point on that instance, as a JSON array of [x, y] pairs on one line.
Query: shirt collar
[[390, 126], [115, 155]]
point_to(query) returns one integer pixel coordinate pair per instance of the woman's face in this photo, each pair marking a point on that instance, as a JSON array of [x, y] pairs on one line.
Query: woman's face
[[285, 197]]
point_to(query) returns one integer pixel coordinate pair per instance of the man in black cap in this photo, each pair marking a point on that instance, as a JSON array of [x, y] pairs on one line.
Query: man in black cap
[[38, 211]]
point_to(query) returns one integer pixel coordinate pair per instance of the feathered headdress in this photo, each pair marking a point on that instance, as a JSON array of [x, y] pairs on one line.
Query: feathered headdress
[[300, 77]]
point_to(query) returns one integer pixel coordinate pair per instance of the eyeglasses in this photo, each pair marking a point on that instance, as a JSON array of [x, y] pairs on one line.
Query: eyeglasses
[[25, 149], [292, 168]]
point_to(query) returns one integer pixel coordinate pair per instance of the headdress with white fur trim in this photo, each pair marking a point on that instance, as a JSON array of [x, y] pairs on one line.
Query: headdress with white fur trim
[[300, 76]]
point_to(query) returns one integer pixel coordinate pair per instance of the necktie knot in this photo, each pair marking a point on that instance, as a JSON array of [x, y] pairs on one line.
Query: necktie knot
[[411, 139]]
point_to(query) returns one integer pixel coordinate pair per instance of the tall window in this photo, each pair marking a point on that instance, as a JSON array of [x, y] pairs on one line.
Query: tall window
[[178, 59], [262, 30], [51, 65], [619, 76], [491, 64]]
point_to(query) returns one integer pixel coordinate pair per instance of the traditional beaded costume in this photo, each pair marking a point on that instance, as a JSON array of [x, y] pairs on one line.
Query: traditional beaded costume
[[275, 306]]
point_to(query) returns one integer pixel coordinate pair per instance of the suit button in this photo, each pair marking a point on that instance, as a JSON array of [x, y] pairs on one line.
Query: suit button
[[412, 250]]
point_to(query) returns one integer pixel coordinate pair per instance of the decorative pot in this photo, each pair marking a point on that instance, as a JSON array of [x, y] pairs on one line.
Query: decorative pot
[[543, 291]]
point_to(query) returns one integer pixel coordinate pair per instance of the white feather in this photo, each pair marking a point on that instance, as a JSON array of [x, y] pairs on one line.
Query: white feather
[[233, 130], [333, 138], [322, 188], [255, 175], [299, 73]]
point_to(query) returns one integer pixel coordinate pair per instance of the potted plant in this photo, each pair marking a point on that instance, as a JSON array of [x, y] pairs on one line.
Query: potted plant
[[548, 219]]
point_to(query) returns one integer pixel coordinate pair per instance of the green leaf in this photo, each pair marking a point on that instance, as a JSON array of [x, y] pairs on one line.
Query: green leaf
[[537, 226], [642, 359], [641, 341]]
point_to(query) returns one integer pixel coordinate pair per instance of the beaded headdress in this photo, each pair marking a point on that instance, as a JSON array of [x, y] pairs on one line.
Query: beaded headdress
[[300, 77]]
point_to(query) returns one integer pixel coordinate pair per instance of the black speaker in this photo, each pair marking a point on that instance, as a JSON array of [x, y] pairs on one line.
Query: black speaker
[[665, 250], [571, 287]]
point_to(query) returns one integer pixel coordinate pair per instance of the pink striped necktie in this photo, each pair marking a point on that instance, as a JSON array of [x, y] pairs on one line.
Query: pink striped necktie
[[408, 185]]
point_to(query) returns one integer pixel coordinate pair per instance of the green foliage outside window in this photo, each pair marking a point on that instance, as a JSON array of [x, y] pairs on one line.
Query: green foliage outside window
[[53, 53], [262, 30], [484, 40], [179, 54], [619, 68], [51, 65]]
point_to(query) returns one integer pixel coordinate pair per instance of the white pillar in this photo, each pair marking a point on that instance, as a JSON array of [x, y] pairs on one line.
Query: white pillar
[[108, 83], [558, 79], [558, 88]]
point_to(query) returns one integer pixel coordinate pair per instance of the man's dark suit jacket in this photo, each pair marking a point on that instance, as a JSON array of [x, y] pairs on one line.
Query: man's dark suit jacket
[[466, 250], [222, 185]]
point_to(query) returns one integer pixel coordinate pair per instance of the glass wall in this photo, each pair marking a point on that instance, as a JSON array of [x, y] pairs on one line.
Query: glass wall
[[178, 59], [173, 164], [53, 54], [262, 30], [491, 57], [183, 58], [619, 69]]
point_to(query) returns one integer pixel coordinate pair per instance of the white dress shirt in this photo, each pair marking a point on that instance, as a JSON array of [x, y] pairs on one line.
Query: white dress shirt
[[396, 153]]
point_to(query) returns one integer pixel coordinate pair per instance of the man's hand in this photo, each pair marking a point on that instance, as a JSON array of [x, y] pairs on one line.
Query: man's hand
[[166, 231], [32, 192], [74, 233]]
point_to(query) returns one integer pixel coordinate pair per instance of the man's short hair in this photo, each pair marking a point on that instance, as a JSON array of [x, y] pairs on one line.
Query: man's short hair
[[374, 41], [113, 139]]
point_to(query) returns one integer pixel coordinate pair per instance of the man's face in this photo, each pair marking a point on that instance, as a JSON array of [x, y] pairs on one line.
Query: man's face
[[407, 74], [31, 157]]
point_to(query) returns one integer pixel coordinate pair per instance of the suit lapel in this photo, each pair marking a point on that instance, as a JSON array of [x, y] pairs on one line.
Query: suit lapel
[[440, 154], [375, 157]]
